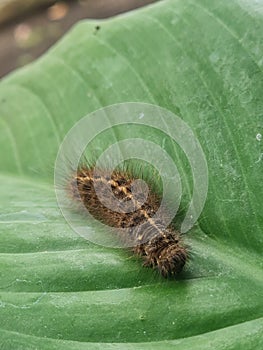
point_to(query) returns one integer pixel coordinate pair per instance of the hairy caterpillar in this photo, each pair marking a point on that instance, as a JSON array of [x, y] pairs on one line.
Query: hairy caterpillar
[[159, 246]]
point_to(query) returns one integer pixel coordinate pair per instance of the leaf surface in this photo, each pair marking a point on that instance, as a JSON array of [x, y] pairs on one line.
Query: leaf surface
[[203, 61]]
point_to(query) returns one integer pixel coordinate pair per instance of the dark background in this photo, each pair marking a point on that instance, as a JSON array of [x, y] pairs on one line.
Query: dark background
[[29, 27]]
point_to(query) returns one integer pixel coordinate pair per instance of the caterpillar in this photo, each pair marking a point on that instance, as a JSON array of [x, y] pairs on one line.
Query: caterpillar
[[160, 247]]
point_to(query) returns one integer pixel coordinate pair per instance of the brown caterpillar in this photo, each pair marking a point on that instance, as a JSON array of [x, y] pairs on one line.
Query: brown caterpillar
[[159, 246]]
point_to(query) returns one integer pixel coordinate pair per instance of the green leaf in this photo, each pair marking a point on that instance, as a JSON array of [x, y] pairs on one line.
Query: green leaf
[[203, 61]]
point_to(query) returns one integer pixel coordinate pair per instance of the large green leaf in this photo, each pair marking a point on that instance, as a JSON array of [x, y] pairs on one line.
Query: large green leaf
[[200, 59]]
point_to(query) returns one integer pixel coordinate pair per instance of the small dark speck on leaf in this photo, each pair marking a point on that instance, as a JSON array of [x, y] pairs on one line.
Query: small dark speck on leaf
[[97, 28], [142, 317]]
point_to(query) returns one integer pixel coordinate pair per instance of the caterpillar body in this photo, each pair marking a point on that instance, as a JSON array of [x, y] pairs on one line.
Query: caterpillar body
[[160, 247]]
